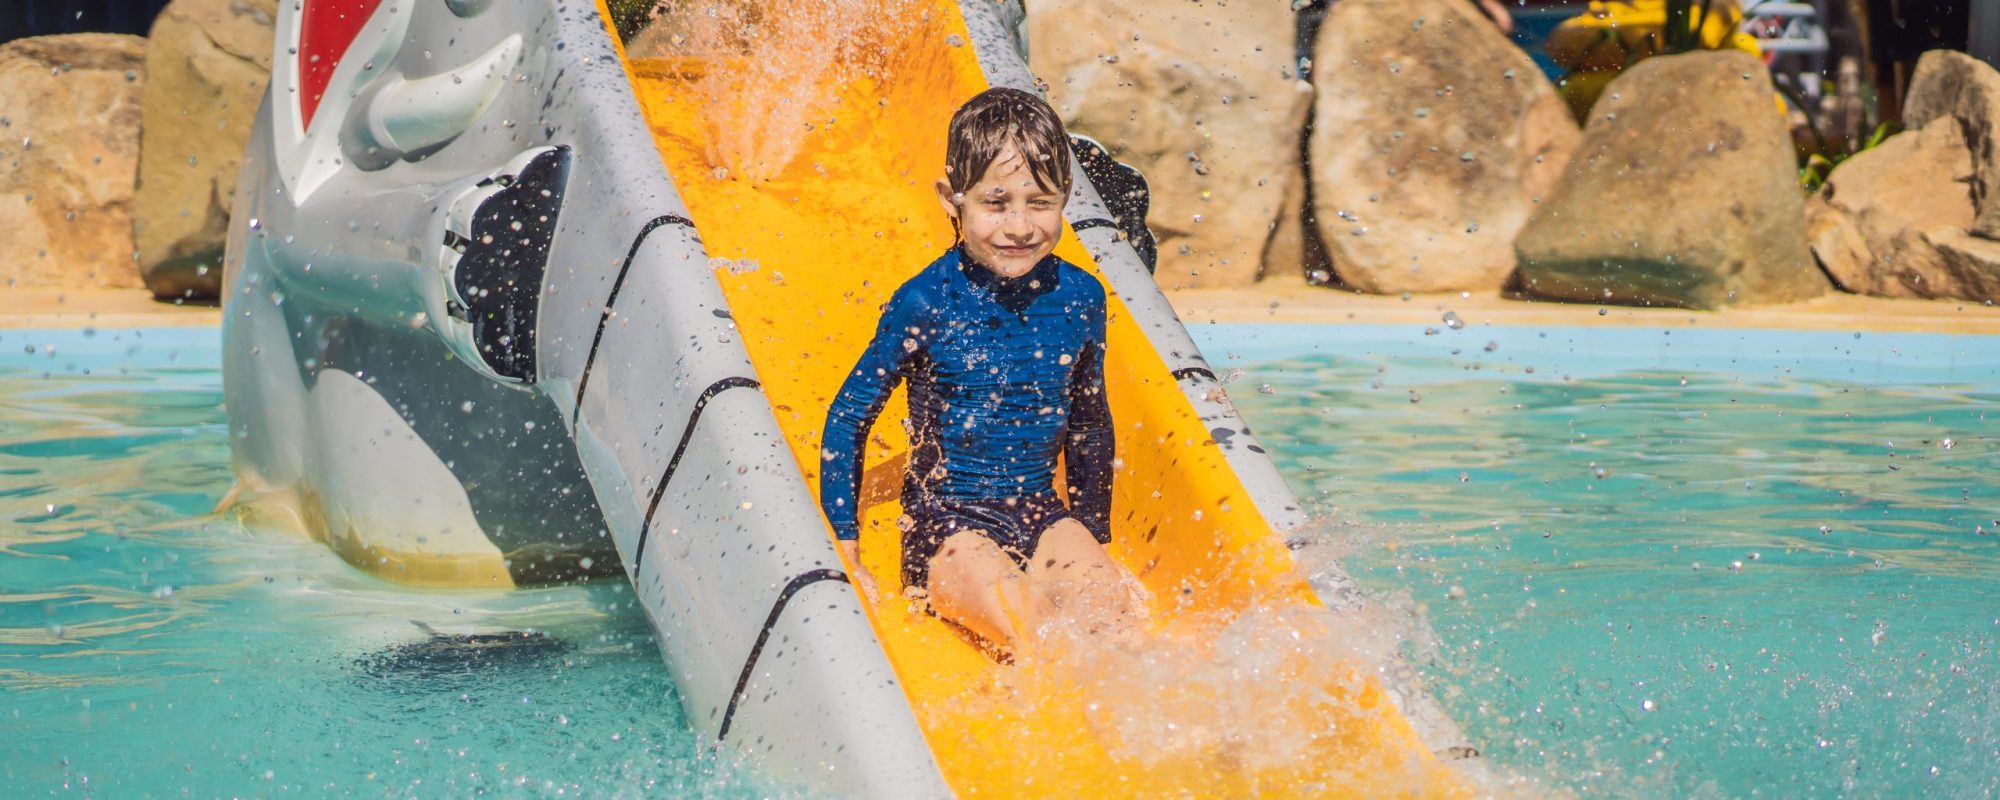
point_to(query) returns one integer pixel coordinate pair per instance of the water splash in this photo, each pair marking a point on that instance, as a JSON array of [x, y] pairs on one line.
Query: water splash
[[1275, 697], [768, 76]]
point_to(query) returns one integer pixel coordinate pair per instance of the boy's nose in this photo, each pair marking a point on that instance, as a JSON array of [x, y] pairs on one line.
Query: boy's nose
[[1018, 227]]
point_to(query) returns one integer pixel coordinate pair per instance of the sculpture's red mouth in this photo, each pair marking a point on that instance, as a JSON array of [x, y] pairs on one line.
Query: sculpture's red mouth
[[326, 28]]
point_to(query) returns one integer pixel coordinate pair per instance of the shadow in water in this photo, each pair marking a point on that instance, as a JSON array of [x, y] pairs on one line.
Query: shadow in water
[[448, 655]]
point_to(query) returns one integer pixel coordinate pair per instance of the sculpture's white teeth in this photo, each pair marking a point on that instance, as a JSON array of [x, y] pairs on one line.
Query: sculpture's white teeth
[[411, 116]]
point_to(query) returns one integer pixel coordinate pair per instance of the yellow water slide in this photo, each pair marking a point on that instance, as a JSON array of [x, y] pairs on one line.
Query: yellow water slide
[[813, 195]]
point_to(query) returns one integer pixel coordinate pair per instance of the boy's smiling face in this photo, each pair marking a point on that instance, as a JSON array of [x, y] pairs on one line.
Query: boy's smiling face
[[1010, 223]]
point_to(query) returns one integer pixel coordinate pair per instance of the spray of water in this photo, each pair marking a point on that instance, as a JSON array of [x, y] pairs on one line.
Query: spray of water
[[1273, 697], [768, 76]]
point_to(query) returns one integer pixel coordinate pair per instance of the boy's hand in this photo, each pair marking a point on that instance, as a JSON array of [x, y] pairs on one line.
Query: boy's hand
[[850, 551]]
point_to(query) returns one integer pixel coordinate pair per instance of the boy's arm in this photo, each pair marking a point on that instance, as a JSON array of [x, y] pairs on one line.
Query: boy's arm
[[844, 442], [1090, 446]]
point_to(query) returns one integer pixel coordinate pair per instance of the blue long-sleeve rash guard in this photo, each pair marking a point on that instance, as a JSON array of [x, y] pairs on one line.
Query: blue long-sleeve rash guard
[[1003, 374]]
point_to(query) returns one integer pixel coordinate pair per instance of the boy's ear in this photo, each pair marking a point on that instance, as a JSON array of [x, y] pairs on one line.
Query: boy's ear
[[947, 198]]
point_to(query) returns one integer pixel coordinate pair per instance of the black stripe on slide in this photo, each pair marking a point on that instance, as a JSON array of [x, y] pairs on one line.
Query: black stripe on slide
[[777, 610], [1094, 222], [687, 435], [1185, 373], [617, 284]]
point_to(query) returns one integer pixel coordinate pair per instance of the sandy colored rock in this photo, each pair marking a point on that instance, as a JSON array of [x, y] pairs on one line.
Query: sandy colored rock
[[206, 65], [1684, 192], [1892, 221], [1433, 136], [69, 154], [1202, 98], [1950, 84]]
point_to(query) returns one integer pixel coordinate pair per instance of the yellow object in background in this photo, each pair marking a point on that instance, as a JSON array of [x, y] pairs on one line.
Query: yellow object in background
[[1600, 43], [1613, 35]]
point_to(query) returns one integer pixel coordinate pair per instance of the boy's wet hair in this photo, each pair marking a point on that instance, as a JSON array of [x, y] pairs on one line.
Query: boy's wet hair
[[999, 117]]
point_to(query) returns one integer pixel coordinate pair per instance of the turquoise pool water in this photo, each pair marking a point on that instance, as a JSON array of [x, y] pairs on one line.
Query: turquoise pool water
[[1670, 563], [1628, 575], [149, 649]]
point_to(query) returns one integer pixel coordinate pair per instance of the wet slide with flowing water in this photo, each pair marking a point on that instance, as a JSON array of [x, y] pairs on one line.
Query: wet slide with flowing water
[[517, 300]]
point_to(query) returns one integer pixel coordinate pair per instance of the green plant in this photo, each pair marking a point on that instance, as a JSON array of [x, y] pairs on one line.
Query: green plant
[[1683, 29]]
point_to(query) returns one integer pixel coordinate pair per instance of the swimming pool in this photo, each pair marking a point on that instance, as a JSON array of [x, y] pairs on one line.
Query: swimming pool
[[1669, 562], [1658, 562]]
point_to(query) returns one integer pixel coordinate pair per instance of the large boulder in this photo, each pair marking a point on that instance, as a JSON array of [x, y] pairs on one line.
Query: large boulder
[[1202, 98], [1433, 137], [69, 153], [1684, 192], [206, 65], [1955, 86], [1892, 221]]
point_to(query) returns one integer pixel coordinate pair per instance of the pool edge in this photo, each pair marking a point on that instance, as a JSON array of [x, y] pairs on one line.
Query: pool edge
[[1288, 302]]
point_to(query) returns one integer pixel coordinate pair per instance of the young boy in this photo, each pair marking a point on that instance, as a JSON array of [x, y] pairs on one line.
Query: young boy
[[1002, 346]]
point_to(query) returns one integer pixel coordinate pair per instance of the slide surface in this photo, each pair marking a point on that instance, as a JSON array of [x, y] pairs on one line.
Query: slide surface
[[814, 196]]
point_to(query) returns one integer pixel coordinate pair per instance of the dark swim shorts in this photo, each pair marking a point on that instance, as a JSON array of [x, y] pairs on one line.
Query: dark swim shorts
[[1016, 525]]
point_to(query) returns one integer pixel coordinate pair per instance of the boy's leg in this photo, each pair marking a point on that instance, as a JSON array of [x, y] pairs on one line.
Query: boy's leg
[[1074, 573], [975, 584]]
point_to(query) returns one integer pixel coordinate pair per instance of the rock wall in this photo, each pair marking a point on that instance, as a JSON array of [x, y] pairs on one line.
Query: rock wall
[[1965, 90], [206, 65], [1894, 220], [1433, 137], [1684, 192], [1202, 98], [69, 154]]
